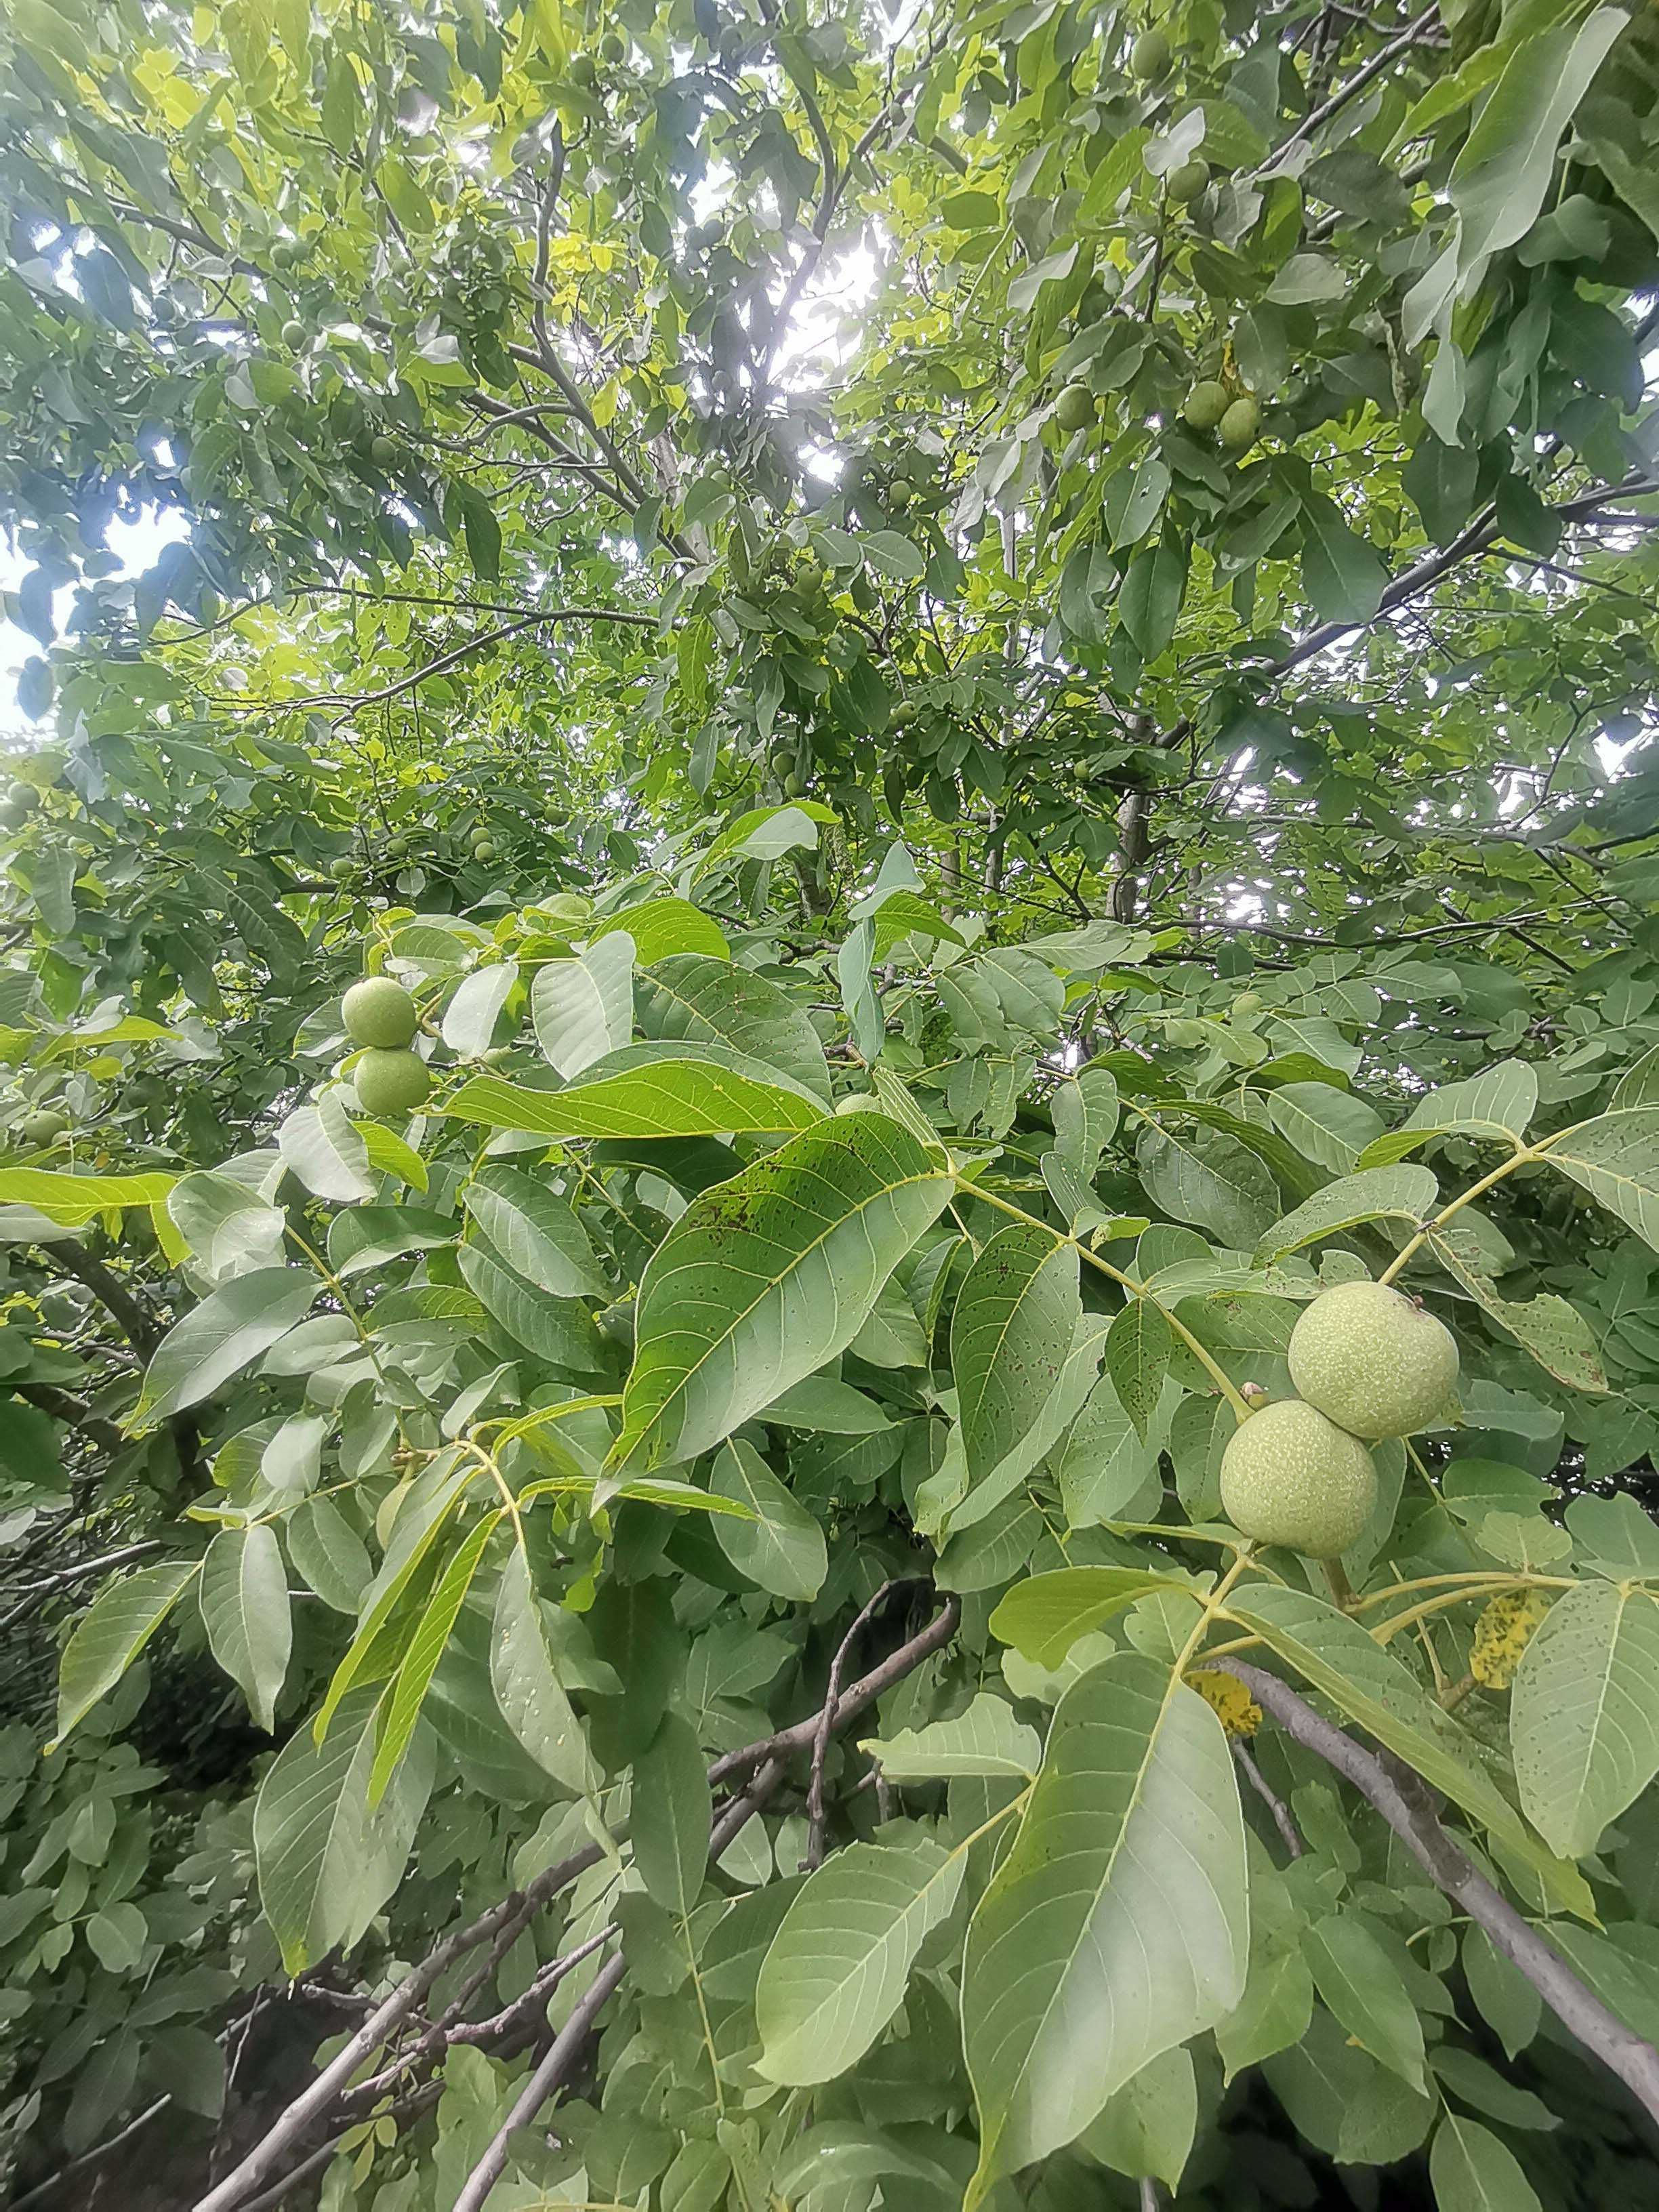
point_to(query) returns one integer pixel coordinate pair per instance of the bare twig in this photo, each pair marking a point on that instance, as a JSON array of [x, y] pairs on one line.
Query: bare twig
[[864, 1691], [1404, 1803], [1362, 77], [543, 2080], [296, 2120], [1270, 1797], [817, 1818]]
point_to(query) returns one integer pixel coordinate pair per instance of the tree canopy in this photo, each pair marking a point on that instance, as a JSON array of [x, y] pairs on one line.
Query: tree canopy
[[979, 683]]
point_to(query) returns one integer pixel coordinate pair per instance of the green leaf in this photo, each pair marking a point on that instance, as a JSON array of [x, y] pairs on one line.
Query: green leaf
[[583, 1008], [470, 1018], [71, 1199], [1085, 1109], [525, 1677], [1117, 1925], [1044, 1615], [1146, 2128], [1498, 1103], [534, 1231], [1209, 1179], [1343, 572], [326, 1862], [1356, 1978], [112, 1632], [323, 1147], [1391, 1194], [1554, 1331], [694, 998], [700, 1092], [1503, 174], [1138, 1348], [765, 1279], [1340, 1657], [672, 1815], [782, 1550], [986, 1739], [836, 1969], [1015, 1318], [1616, 1160], [421, 1655], [328, 1553], [218, 1338], [1584, 1713], [1471, 2171], [559, 1330], [244, 1600], [664, 927]]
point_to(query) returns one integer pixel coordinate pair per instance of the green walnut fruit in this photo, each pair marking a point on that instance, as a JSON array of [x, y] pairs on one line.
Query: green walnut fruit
[[296, 337], [612, 48], [383, 451], [391, 1082], [1150, 55], [1074, 410], [397, 848], [1205, 405], [43, 1127], [378, 1012], [485, 849], [1186, 180], [1290, 1476], [1373, 1360], [343, 870], [794, 787], [1238, 426], [12, 817]]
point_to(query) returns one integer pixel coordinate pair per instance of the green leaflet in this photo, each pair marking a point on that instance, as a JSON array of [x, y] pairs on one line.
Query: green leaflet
[[836, 1973], [327, 1859], [1584, 1713], [766, 1278], [112, 1632], [1015, 1315], [698, 1091], [1117, 1926]]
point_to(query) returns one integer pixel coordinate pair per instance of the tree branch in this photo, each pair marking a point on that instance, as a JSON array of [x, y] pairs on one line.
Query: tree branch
[[544, 2080], [1403, 1802]]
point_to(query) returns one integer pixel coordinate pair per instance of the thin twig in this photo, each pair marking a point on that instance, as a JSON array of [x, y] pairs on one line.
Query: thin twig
[[543, 2080], [817, 1818], [295, 2123], [1270, 1797]]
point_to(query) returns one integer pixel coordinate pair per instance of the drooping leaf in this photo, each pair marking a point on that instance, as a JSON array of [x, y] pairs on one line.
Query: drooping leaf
[[245, 1607], [528, 1689], [1015, 1318], [1117, 1925], [326, 1861], [672, 1814], [783, 1549], [1584, 1713], [112, 1632]]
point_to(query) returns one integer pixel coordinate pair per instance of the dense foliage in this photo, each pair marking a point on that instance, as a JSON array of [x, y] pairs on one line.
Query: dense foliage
[[989, 674]]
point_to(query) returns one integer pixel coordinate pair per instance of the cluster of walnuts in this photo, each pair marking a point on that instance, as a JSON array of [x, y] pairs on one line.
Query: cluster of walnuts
[[1367, 1363]]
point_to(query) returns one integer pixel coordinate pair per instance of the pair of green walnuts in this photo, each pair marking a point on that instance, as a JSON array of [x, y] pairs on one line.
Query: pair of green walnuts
[[379, 1015], [1368, 1363]]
